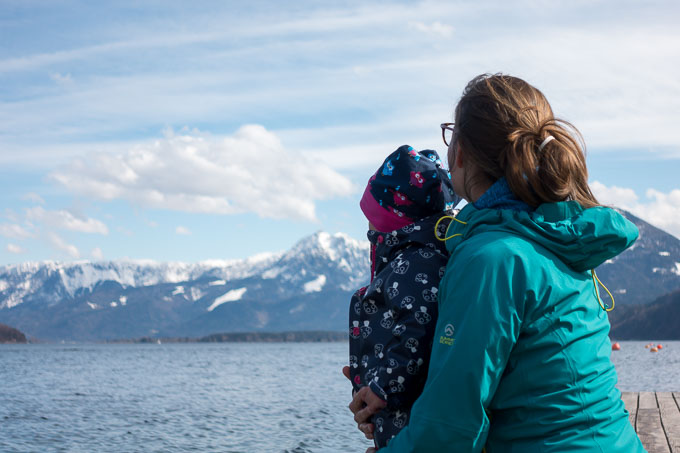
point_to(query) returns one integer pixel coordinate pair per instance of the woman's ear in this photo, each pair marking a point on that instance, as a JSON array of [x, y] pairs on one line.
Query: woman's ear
[[458, 156], [452, 155]]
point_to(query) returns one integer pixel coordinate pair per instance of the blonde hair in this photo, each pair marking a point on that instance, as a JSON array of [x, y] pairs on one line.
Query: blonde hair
[[501, 121]]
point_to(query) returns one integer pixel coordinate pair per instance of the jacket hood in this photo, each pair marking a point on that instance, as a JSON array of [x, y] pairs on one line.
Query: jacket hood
[[581, 238]]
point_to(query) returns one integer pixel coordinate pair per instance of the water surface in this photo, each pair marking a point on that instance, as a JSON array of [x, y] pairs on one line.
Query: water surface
[[220, 397]]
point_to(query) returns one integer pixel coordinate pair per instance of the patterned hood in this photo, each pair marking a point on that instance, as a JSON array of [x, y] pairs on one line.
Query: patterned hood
[[384, 246]]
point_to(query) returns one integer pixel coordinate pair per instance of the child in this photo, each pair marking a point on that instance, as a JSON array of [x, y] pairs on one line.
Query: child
[[393, 319]]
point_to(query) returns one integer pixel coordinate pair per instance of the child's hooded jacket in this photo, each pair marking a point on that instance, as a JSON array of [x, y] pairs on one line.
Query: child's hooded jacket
[[392, 319]]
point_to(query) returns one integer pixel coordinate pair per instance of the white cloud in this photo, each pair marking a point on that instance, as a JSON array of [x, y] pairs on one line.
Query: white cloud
[[614, 75], [89, 51], [14, 231], [182, 230], [33, 197], [620, 197], [660, 209], [61, 245], [61, 78], [435, 29], [97, 253], [65, 220], [250, 171], [16, 249]]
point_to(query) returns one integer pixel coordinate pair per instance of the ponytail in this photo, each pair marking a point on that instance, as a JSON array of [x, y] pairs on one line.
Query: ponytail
[[505, 126]]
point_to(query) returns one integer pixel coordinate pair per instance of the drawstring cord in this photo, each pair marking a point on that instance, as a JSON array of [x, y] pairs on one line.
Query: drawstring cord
[[597, 292], [436, 227]]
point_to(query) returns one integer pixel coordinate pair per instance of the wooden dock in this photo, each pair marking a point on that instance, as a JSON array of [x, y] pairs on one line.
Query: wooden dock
[[656, 418]]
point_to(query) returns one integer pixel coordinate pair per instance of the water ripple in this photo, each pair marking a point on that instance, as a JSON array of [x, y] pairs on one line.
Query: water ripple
[[236, 398], [176, 398]]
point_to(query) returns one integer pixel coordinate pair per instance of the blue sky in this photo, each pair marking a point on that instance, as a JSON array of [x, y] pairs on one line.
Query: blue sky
[[186, 131]]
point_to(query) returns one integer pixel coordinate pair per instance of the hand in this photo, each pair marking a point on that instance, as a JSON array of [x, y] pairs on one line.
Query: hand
[[367, 403], [345, 371], [364, 405]]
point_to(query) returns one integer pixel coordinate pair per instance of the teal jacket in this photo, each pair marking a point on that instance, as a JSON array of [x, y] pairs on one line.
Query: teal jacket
[[521, 355]]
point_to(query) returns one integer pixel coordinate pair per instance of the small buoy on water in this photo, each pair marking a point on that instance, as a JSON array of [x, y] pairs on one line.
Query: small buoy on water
[[647, 346], [659, 346], [616, 346], [653, 350]]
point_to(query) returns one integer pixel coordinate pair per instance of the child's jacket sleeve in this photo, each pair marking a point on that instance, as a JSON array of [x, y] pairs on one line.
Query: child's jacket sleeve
[[477, 327], [410, 289]]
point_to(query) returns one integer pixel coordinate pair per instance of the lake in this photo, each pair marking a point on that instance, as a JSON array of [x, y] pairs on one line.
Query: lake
[[222, 397]]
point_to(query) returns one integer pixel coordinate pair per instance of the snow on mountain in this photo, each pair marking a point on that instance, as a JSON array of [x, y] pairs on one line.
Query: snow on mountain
[[315, 285], [230, 296], [122, 299], [338, 251], [65, 279]]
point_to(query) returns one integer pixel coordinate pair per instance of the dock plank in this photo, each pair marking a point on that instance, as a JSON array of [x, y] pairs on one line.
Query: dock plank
[[669, 412], [647, 400], [630, 400], [650, 430]]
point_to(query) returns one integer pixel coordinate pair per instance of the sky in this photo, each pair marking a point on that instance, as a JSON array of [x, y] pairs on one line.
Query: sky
[[188, 131]]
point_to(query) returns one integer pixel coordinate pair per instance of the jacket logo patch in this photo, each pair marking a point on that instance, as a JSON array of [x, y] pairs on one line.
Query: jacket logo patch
[[448, 341], [448, 332]]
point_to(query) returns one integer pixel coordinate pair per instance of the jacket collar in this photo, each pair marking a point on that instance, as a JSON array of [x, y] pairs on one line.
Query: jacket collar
[[500, 196], [420, 233]]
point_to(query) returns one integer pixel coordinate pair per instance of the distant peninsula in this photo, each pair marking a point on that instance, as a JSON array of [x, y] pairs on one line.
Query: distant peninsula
[[11, 335], [312, 336]]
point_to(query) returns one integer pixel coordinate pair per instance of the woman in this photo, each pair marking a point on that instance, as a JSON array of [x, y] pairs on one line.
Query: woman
[[520, 360]]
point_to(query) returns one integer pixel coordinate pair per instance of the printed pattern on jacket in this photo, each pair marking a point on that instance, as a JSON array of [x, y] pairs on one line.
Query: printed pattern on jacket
[[392, 320]]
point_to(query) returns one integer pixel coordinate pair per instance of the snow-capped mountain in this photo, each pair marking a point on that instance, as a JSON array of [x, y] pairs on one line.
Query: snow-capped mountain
[[647, 270], [51, 282], [305, 288]]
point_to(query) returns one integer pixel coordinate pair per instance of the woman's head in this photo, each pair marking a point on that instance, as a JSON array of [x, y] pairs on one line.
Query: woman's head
[[500, 124]]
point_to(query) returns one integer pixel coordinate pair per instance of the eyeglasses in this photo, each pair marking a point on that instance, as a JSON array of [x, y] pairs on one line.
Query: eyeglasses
[[447, 133]]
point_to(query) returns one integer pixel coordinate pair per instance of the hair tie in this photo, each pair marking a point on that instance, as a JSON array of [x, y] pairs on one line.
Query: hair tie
[[547, 140]]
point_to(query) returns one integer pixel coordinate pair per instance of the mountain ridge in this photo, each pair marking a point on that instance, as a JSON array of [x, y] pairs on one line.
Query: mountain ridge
[[659, 320], [119, 299], [304, 288]]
